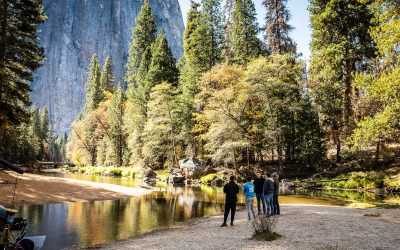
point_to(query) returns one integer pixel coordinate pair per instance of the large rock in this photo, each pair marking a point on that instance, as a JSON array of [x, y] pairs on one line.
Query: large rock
[[75, 30], [176, 177], [192, 167]]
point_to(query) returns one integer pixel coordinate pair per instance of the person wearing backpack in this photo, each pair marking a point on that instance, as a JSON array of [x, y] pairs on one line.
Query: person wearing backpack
[[269, 194], [248, 189]]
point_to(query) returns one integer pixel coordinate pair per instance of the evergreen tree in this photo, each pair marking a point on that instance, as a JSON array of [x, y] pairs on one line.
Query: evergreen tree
[[278, 27], [341, 45], [163, 64], [143, 35], [213, 21], [115, 130], [44, 123], [196, 60], [93, 87], [244, 42], [160, 129], [107, 77], [20, 56], [227, 14]]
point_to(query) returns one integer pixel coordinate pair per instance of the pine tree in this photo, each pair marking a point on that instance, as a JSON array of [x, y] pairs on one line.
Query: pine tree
[[227, 13], [213, 20], [44, 123], [143, 35], [278, 27], [160, 129], [245, 44], [115, 130], [93, 86], [20, 56], [163, 64], [107, 77], [194, 62], [341, 45]]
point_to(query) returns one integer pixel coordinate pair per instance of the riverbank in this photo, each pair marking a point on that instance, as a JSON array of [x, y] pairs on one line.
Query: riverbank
[[301, 227], [35, 189]]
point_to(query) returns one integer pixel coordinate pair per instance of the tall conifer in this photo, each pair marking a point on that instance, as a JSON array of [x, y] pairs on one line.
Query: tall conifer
[[340, 46], [244, 42], [107, 77], [163, 64], [278, 27], [211, 10], [93, 90], [143, 35]]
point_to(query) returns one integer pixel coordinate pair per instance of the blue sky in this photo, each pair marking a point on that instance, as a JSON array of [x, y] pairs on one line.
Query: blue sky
[[299, 20]]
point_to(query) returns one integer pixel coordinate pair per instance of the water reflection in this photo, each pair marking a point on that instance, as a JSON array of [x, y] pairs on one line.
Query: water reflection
[[96, 222]]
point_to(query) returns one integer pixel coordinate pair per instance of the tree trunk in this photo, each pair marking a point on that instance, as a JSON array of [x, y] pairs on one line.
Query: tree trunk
[[338, 148], [378, 147], [348, 92]]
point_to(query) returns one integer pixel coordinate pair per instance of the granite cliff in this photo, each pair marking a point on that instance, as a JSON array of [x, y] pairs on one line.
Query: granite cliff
[[78, 28]]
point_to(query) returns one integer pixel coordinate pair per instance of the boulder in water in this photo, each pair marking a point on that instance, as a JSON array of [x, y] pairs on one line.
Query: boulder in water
[[175, 177], [192, 167]]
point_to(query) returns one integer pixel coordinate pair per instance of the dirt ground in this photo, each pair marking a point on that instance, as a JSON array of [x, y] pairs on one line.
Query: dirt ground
[[38, 189], [301, 227]]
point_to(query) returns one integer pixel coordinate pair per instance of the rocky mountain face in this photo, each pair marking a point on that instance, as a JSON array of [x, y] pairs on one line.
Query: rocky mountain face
[[78, 28]]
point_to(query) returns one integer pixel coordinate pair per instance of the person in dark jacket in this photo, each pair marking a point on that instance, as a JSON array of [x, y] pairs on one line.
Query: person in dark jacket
[[259, 190], [269, 193], [231, 190], [275, 177]]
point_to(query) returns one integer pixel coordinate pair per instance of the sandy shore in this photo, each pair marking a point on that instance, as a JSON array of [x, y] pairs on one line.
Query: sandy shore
[[38, 189], [302, 227]]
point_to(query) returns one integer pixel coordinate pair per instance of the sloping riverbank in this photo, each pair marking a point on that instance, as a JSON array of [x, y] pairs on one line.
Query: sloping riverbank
[[38, 189], [302, 227]]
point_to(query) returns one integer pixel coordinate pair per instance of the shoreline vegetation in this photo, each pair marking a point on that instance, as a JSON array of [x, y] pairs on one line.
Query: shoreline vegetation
[[356, 188]]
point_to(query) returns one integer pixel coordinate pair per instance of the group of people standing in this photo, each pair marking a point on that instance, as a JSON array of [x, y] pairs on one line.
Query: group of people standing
[[265, 190]]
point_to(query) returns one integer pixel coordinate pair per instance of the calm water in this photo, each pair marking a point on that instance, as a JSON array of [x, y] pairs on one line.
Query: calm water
[[80, 224]]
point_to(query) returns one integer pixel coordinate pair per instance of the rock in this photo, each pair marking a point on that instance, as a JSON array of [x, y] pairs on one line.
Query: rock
[[192, 167], [175, 177], [149, 180], [209, 170], [75, 30], [149, 174], [217, 182]]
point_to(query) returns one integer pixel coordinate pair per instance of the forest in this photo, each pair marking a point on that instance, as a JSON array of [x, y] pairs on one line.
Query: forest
[[239, 95]]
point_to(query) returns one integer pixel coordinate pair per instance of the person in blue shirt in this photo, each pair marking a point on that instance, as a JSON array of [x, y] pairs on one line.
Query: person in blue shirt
[[248, 189]]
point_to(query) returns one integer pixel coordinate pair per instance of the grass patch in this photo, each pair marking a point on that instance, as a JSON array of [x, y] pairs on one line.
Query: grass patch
[[362, 205], [162, 174], [106, 171]]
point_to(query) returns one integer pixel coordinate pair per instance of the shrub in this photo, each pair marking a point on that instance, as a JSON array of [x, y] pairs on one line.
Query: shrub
[[263, 227], [114, 172], [208, 178]]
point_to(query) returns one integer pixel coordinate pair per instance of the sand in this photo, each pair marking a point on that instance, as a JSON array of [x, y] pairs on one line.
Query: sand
[[39, 189], [301, 227]]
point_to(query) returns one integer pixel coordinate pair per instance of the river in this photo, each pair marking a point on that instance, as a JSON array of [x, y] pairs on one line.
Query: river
[[84, 224]]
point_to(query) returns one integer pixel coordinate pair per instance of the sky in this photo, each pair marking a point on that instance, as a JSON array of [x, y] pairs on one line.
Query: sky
[[300, 21]]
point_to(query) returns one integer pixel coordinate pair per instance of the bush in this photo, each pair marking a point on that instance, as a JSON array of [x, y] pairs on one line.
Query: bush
[[263, 227], [208, 178], [114, 172]]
